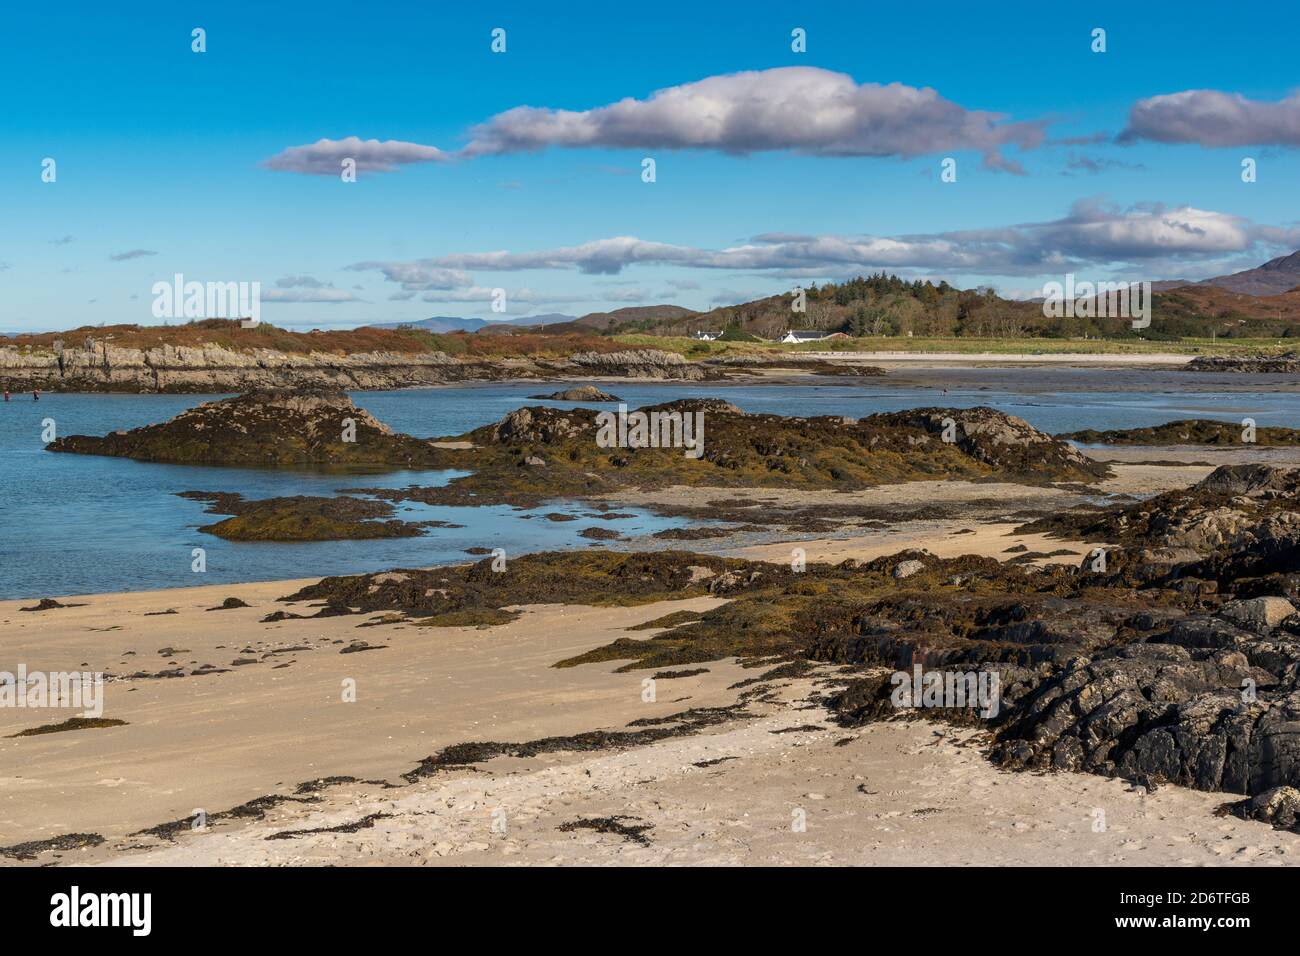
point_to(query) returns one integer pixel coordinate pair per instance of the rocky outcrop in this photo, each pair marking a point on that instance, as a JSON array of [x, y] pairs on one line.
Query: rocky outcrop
[[1002, 441], [582, 393], [1195, 431], [104, 367], [539, 453], [1234, 506], [640, 363], [302, 518], [1286, 364], [267, 428]]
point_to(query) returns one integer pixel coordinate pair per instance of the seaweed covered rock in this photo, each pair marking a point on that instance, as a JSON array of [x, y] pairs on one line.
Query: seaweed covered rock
[[739, 449], [1196, 431], [302, 518], [542, 426], [1009, 444], [581, 393], [279, 427], [584, 577], [1287, 363], [1233, 507]]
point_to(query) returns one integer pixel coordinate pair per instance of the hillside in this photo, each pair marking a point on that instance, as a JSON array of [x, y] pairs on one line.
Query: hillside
[[1272, 278], [884, 305], [631, 319], [228, 334]]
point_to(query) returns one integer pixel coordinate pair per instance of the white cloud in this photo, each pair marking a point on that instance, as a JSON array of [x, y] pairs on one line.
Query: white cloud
[[1213, 118], [800, 109], [325, 156], [1092, 234]]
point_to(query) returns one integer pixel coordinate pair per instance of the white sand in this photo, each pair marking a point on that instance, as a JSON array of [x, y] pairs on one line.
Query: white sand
[[897, 793], [213, 742]]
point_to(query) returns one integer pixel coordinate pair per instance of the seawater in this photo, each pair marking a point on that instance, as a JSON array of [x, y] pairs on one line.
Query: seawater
[[78, 524]]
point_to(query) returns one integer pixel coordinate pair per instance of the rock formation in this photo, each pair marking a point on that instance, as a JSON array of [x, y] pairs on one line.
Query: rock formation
[[1285, 364], [1195, 431], [267, 428], [582, 393]]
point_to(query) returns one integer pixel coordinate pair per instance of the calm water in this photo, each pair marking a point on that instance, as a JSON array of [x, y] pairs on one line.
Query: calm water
[[73, 524]]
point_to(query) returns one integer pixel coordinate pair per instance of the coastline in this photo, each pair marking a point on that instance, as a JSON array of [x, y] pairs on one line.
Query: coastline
[[226, 712], [320, 780], [215, 370]]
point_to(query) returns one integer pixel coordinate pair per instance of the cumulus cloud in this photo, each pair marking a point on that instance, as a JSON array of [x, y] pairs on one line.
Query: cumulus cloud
[[1092, 234], [132, 254], [325, 156], [1214, 118], [418, 276], [801, 109]]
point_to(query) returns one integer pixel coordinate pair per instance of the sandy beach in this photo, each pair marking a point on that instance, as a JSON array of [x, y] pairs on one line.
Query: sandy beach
[[222, 711], [908, 792]]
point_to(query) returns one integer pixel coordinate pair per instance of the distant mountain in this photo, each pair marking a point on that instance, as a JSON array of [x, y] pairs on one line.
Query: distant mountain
[[452, 323], [1272, 278]]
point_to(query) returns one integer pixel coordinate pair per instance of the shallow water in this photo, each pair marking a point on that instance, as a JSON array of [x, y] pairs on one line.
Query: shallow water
[[75, 524]]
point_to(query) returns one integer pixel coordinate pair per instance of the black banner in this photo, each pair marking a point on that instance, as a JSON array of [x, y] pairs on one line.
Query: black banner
[[332, 905]]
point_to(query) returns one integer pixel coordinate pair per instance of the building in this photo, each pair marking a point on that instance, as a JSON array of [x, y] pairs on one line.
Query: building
[[810, 335], [704, 336]]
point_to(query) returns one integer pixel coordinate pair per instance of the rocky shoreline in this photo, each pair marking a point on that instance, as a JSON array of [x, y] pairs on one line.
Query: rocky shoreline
[[535, 454], [1286, 364], [1173, 661], [1170, 654], [1193, 431], [168, 369]]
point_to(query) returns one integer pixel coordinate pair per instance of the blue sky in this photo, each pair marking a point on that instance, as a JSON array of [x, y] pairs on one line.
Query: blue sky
[[162, 153]]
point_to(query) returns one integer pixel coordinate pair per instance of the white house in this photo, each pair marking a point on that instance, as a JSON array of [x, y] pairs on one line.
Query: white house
[[809, 335], [704, 336]]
